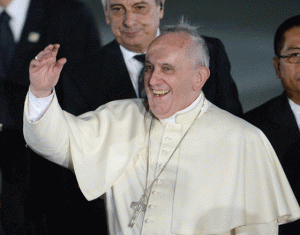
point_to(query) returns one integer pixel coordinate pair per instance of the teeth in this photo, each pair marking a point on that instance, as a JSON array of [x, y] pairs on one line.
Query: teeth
[[158, 93]]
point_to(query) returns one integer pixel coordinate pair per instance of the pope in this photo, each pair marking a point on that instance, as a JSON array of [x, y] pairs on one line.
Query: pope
[[176, 164]]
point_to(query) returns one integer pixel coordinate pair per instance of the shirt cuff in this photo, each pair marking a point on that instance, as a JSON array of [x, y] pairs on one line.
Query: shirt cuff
[[38, 106]]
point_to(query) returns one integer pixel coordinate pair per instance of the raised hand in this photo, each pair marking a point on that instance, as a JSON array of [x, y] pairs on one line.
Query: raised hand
[[44, 71]]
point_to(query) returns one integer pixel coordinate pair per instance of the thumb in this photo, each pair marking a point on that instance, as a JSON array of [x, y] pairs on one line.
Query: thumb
[[59, 65]]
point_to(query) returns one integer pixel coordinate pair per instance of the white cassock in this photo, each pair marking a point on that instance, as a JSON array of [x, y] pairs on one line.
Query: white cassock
[[224, 178]]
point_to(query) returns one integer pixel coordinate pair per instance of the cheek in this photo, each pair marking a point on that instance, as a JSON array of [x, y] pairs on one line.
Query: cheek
[[115, 24]]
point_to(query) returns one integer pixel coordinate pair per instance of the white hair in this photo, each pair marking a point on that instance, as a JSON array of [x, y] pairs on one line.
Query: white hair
[[104, 3], [197, 50]]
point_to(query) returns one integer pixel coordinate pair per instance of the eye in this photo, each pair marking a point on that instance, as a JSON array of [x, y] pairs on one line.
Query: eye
[[148, 68], [294, 55], [117, 10], [141, 8], [167, 68]]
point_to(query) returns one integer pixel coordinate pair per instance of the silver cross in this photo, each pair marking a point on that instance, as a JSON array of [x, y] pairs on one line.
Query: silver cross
[[138, 207]]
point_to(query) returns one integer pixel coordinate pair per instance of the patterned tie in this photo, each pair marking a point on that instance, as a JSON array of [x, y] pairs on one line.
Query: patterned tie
[[7, 45], [142, 92]]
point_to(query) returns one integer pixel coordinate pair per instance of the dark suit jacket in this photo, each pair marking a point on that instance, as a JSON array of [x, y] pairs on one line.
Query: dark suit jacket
[[103, 77], [71, 24], [276, 119]]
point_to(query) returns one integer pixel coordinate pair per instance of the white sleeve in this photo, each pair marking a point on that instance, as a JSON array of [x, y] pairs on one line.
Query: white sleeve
[[258, 229], [38, 106]]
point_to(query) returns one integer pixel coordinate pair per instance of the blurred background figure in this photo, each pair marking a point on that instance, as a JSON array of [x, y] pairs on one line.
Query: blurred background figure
[[30, 203], [279, 118]]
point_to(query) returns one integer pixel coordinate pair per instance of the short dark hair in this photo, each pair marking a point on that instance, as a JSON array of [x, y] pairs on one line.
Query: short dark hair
[[279, 35]]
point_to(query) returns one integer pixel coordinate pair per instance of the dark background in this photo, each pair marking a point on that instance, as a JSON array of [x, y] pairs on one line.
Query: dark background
[[246, 27]]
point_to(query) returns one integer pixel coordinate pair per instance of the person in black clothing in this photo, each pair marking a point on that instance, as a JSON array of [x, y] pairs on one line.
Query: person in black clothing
[[32, 200], [279, 118]]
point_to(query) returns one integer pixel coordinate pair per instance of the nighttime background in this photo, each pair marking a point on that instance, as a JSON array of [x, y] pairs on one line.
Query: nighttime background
[[246, 27]]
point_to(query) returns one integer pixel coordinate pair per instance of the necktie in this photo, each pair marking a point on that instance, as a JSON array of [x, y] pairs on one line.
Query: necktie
[[7, 44], [142, 92]]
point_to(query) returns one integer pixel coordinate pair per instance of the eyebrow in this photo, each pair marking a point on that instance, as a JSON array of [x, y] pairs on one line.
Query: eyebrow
[[120, 4], [293, 48]]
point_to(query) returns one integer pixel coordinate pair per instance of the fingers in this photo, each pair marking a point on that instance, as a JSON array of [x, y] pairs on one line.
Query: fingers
[[49, 51], [59, 64]]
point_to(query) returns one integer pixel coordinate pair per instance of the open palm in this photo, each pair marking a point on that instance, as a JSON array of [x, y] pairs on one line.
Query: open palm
[[44, 71]]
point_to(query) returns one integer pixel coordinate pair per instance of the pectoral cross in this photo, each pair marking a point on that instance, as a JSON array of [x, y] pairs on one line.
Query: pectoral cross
[[138, 207]]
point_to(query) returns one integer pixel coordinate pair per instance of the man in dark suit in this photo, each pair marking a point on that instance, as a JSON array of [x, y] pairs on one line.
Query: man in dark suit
[[279, 118], [112, 72], [29, 196]]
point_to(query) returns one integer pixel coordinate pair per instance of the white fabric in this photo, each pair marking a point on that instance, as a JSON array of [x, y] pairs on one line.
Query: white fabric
[[17, 10], [296, 110], [224, 179], [133, 67], [38, 106]]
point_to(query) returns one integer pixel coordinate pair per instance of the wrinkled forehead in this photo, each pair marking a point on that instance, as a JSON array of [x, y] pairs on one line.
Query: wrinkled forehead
[[169, 44], [107, 2]]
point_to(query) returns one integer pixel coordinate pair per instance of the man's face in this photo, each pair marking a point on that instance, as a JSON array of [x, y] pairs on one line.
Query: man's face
[[171, 81], [289, 73], [4, 3], [134, 23]]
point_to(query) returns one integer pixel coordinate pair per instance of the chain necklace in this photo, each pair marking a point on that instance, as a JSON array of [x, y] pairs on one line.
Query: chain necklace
[[141, 206]]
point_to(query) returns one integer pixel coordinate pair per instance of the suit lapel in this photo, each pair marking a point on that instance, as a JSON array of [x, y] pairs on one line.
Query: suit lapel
[[31, 35], [283, 114], [120, 82], [103, 77]]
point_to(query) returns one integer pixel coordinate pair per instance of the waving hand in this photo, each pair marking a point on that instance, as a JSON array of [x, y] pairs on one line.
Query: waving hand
[[44, 71]]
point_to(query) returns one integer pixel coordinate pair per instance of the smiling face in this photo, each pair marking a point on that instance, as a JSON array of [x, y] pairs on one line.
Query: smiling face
[[289, 73], [172, 82], [134, 23]]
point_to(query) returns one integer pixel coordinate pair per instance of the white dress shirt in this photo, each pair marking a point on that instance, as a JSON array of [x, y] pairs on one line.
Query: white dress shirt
[[133, 66], [296, 110], [17, 10]]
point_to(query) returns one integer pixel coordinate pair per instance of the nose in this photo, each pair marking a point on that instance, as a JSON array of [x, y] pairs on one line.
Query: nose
[[129, 19], [155, 78]]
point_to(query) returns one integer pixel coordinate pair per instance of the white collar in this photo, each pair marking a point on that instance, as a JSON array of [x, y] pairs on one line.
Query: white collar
[[172, 119], [296, 110], [17, 10]]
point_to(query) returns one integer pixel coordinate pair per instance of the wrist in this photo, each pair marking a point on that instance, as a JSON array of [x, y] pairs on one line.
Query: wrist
[[40, 93]]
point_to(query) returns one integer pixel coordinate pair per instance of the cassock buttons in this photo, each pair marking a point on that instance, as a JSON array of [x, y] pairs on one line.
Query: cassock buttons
[[170, 125]]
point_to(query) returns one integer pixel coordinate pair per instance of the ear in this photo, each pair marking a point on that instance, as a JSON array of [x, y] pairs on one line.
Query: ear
[[162, 9], [202, 74], [276, 64]]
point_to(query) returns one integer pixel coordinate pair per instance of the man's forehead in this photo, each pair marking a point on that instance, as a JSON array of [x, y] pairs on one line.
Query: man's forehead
[[292, 38], [131, 2], [172, 41], [166, 49]]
